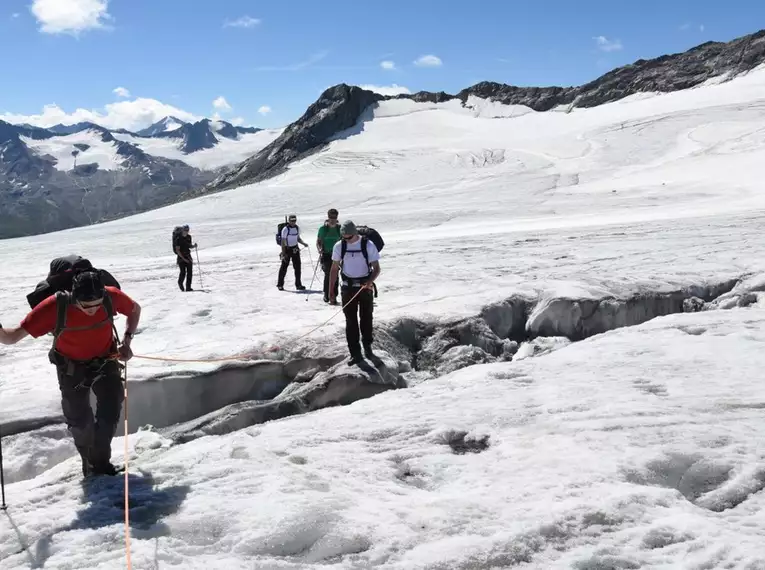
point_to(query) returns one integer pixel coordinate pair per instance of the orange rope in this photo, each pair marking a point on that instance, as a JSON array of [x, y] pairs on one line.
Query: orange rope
[[243, 356], [127, 502]]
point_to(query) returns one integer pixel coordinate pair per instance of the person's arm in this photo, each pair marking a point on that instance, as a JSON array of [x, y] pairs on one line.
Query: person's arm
[[12, 336], [39, 321], [333, 275], [123, 304], [375, 265], [320, 239], [285, 234]]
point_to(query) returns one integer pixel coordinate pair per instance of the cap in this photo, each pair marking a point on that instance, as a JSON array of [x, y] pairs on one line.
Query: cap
[[348, 228], [87, 286]]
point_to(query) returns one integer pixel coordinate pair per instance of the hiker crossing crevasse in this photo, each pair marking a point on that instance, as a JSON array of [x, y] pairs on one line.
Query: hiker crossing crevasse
[[359, 260], [79, 311]]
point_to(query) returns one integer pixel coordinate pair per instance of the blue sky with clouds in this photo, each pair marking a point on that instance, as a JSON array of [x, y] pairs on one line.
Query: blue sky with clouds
[[128, 62]]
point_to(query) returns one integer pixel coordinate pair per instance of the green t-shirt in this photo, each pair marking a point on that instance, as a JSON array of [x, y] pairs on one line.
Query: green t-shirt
[[329, 236]]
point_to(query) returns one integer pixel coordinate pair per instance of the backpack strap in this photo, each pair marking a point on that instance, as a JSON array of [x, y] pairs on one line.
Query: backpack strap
[[364, 244], [63, 300]]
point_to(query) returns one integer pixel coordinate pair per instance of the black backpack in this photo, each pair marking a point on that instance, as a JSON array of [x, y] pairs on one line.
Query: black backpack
[[59, 283], [373, 235], [177, 231], [62, 271], [279, 229]]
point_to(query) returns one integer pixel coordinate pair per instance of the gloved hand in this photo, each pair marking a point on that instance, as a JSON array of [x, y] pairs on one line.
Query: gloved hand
[[195, 246], [126, 353]]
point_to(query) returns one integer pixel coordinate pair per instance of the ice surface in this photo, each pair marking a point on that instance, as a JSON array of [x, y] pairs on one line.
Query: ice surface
[[637, 448]]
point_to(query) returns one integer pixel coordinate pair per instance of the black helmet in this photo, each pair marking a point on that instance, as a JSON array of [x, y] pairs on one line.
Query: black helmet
[[87, 286]]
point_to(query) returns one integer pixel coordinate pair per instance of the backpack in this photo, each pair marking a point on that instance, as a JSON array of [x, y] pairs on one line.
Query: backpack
[[62, 270], [373, 235], [177, 231], [279, 229], [59, 283]]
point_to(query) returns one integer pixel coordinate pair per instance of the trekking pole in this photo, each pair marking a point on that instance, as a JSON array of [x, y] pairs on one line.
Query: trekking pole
[[199, 267], [3, 507], [315, 270]]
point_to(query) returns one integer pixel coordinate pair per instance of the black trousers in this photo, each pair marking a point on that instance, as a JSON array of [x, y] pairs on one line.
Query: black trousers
[[187, 272], [326, 266], [293, 255], [93, 439], [358, 317]]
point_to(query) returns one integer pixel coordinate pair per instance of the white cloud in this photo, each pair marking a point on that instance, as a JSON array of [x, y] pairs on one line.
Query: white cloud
[[386, 89], [121, 92], [221, 104], [237, 121], [428, 61], [264, 110], [132, 115], [70, 16], [243, 22], [15, 15], [604, 44], [702, 27], [387, 65]]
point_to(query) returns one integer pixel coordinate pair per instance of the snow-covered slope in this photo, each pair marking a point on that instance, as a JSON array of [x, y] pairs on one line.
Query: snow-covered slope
[[227, 152], [632, 449], [84, 147]]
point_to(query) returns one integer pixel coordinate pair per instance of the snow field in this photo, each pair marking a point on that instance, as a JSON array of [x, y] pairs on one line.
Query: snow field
[[637, 448]]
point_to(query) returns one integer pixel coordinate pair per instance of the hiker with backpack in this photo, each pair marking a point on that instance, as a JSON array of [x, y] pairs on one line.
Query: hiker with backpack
[[288, 236], [182, 245], [357, 260], [329, 235], [86, 354]]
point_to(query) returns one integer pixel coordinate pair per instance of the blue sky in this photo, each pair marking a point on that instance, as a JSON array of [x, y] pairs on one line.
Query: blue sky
[[265, 62]]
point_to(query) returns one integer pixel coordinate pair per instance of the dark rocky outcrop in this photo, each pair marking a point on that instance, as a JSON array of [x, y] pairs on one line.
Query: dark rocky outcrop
[[337, 109], [341, 107]]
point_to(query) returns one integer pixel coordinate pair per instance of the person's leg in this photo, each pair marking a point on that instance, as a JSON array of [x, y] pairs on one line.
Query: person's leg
[[110, 395], [296, 265], [350, 309], [182, 274], [326, 266], [75, 405], [189, 275], [366, 308], [283, 270]]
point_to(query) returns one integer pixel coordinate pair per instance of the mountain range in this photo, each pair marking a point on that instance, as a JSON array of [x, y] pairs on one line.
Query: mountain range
[[71, 175]]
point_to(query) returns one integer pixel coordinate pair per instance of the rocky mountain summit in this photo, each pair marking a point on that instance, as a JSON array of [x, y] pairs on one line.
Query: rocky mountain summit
[[341, 107]]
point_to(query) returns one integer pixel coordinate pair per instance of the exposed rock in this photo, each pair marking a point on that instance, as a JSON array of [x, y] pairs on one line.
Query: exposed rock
[[336, 110], [342, 107]]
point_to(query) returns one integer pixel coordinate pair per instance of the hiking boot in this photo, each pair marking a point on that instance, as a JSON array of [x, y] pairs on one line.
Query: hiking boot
[[280, 287], [189, 289], [104, 469], [181, 287], [326, 299], [368, 351], [300, 287], [355, 358]]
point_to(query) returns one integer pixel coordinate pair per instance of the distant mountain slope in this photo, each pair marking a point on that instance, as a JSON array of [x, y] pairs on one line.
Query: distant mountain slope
[[340, 107], [71, 175]]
